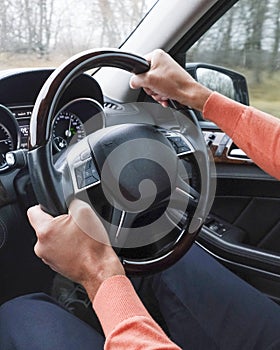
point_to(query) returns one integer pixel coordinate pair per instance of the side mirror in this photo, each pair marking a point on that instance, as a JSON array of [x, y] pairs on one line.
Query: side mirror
[[222, 80]]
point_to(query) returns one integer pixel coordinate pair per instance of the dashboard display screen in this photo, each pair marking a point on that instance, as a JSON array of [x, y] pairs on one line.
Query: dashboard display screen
[[24, 131], [23, 119]]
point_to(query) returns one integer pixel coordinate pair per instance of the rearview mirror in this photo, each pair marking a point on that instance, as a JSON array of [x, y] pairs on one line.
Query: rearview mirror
[[222, 80]]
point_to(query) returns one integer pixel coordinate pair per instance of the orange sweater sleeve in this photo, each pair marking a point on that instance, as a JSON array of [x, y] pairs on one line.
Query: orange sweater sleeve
[[124, 319], [255, 132]]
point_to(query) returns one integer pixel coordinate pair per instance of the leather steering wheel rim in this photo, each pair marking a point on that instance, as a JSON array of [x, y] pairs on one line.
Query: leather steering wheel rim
[[45, 178]]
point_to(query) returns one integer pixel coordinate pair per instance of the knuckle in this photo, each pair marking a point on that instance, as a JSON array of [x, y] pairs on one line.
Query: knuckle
[[159, 52], [43, 232], [38, 250]]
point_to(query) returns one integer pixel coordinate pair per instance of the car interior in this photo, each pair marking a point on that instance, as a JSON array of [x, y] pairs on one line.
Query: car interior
[[240, 223]]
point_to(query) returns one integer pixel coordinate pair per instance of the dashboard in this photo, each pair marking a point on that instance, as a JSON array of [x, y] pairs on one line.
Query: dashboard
[[79, 112]]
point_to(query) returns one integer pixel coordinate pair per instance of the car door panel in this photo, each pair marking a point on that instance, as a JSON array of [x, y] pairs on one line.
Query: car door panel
[[246, 197], [243, 228], [257, 217]]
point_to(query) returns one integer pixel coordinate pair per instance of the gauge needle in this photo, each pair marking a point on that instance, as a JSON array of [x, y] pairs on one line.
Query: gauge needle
[[68, 132]]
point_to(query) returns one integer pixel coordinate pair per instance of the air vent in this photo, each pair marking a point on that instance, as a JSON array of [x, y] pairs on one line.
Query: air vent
[[113, 105]]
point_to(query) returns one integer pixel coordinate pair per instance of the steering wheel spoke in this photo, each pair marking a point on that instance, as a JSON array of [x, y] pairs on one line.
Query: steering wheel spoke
[[120, 227], [184, 191]]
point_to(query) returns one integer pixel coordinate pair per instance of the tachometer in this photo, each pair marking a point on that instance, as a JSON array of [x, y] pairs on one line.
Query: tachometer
[[6, 144], [67, 127]]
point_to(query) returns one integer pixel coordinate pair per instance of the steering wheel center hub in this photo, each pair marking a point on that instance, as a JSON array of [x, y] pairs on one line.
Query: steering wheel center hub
[[138, 166]]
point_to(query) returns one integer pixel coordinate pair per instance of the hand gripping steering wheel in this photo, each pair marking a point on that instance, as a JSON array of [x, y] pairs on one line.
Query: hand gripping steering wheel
[[151, 186]]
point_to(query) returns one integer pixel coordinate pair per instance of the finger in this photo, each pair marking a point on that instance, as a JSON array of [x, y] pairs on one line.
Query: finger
[[53, 267], [154, 54], [164, 104], [45, 261], [149, 91], [159, 98], [36, 216], [136, 81], [38, 250]]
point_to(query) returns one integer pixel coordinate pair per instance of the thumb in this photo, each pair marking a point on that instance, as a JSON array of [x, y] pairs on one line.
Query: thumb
[[36, 216]]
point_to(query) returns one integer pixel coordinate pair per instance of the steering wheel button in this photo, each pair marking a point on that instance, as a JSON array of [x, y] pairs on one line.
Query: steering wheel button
[[181, 143], [80, 181], [95, 173], [85, 155], [90, 170], [88, 173], [176, 139], [184, 149], [90, 180], [89, 164]]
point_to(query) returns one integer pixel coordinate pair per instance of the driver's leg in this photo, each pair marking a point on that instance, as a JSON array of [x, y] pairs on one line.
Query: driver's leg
[[205, 306], [37, 322]]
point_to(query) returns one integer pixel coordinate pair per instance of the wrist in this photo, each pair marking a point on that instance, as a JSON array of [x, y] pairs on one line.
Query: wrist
[[97, 274], [196, 96]]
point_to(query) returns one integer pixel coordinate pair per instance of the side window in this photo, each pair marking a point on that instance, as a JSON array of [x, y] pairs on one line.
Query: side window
[[247, 39]]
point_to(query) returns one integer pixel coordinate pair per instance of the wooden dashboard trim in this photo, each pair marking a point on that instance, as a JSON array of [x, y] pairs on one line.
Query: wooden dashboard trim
[[221, 145]]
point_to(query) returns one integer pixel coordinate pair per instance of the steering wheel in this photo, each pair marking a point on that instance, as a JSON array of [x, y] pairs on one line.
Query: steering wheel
[[151, 186]]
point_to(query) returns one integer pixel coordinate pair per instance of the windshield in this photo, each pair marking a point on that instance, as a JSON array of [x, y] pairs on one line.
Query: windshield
[[46, 32]]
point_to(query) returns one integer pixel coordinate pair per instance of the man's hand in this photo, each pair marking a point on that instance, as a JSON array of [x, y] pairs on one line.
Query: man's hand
[[166, 79], [75, 245]]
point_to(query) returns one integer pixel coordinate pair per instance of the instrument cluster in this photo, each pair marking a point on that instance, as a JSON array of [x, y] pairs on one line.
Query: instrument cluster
[[72, 123]]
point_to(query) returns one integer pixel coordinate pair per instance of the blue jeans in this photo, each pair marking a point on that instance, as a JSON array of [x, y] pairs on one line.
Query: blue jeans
[[204, 306]]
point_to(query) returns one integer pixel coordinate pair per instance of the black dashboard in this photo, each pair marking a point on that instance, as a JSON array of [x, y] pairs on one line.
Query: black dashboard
[[81, 101]]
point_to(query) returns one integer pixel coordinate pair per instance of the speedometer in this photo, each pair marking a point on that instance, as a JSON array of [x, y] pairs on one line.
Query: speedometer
[[67, 127], [6, 144]]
